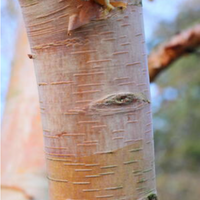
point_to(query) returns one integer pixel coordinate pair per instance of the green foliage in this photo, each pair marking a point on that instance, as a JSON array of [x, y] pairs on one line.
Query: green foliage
[[152, 196], [182, 185], [177, 122], [178, 143]]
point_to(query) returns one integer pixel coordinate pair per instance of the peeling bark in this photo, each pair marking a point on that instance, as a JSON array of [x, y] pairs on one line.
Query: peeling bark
[[185, 42], [93, 155]]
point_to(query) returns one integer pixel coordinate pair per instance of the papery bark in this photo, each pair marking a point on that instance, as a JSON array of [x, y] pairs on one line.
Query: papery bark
[[96, 146]]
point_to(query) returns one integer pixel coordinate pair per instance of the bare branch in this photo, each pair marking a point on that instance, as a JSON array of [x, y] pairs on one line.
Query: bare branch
[[185, 42]]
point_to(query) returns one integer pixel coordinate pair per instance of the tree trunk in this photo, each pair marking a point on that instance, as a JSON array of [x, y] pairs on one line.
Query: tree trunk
[[94, 96]]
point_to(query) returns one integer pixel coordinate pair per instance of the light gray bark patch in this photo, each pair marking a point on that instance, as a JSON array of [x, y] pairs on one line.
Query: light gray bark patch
[[121, 99], [117, 104]]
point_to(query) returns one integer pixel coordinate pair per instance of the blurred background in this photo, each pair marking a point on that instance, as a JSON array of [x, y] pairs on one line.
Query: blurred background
[[175, 93]]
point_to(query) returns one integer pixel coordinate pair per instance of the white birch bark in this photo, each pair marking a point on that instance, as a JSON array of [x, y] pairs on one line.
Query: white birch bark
[[94, 95]]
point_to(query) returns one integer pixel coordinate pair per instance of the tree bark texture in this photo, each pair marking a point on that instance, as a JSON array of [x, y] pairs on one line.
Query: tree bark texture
[[23, 166], [94, 99]]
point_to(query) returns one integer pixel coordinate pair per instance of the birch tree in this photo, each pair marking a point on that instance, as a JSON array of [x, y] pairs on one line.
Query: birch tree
[[93, 85]]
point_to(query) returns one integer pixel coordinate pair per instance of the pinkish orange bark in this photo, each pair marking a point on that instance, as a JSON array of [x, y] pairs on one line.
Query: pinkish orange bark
[[94, 95]]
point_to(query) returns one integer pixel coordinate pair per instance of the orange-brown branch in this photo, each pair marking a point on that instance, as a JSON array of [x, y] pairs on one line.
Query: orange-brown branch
[[172, 50]]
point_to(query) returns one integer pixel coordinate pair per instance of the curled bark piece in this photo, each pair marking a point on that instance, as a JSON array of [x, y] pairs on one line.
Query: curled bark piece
[[172, 50], [92, 10], [88, 11]]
